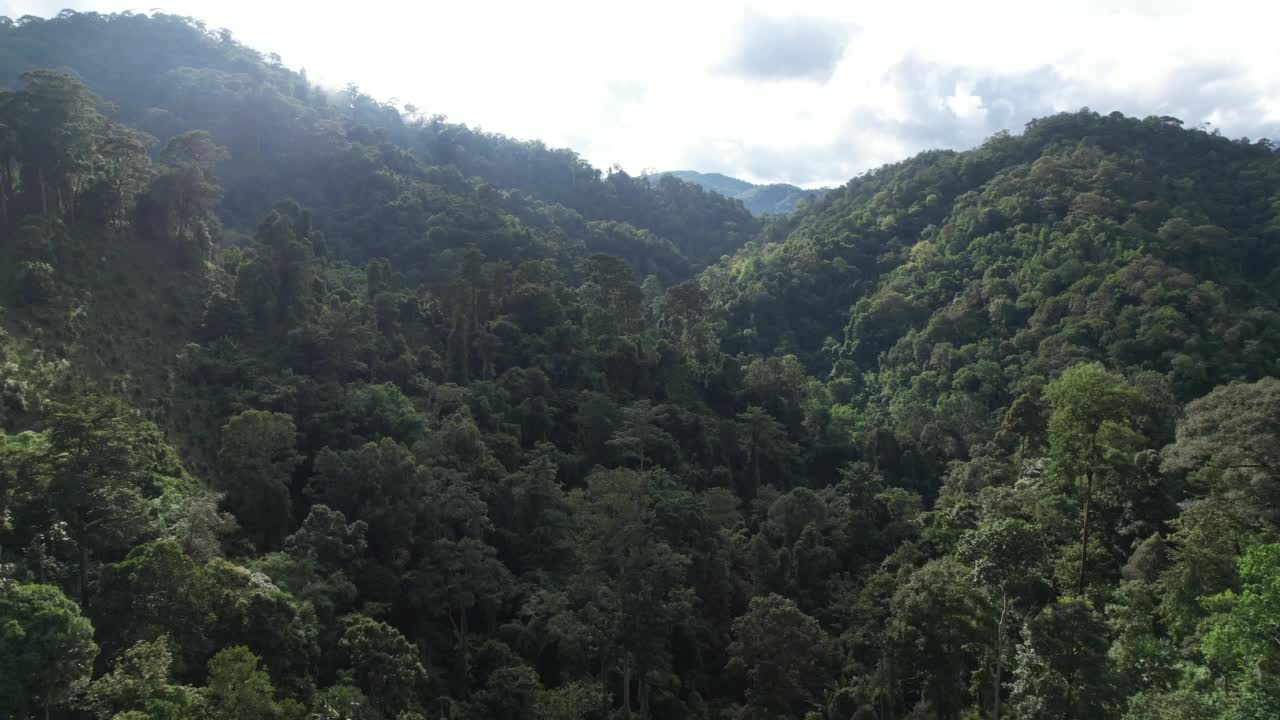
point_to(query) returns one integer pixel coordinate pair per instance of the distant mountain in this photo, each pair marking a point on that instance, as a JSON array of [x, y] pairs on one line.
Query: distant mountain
[[776, 199]]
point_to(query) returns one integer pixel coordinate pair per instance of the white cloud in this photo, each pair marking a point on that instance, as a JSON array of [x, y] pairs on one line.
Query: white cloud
[[818, 91]]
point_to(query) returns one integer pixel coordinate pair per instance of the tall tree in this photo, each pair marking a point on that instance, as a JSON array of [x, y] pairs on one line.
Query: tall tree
[[256, 464], [1062, 671], [98, 451], [639, 594], [785, 656], [238, 689], [383, 663], [1091, 407], [1004, 554], [763, 440]]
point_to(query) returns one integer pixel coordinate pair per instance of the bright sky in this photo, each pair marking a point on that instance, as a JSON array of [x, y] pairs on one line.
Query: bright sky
[[804, 91]]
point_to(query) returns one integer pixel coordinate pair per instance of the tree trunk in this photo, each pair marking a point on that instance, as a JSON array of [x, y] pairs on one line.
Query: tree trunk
[[626, 689], [44, 193], [1004, 614], [5, 185], [644, 698], [1084, 529], [84, 575], [460, 633], [604, 686]]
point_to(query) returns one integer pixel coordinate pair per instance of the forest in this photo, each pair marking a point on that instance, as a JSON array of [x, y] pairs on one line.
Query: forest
[[315, 407]]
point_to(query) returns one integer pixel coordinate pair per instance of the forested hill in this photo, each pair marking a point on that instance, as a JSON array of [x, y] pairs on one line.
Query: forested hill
[[288, 138], [772, 199], [313, 409]]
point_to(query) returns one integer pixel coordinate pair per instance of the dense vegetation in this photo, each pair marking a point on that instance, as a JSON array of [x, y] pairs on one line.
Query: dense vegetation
[[310, 408], [771, 199]]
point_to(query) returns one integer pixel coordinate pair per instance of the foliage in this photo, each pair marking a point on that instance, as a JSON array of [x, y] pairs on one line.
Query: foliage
[[327, 410]]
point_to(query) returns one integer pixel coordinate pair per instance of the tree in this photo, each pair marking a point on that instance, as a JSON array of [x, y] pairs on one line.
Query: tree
[[384, 664], [184, 192], [1004, 554], [46, 649], [1242, 637], [66, 148], [1090, 409], [509, 693], [275, 283], [632, 581], [139, 681], [256, 463], [194, 521], [1062, 670], [379, 484], [1229, 440], [252, 611], [457, 575], [155, 592], [327, 538], [341, 702], [97, 452], [611, 296], [762, 438], [785, 656], [238, 689], [932, 631], [23, 475], [639, 433]]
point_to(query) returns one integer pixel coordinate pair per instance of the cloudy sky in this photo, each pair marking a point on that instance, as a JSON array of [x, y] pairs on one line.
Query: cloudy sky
[[802, 91]]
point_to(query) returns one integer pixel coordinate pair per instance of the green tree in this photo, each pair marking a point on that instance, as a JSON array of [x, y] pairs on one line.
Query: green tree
[[256, 463], [1091, 407], [1228, 442], [238, 689], [633, 580], [1242, 636], [46, 649], [184, 192], [785, 656], [933, 629], [97, 456], [1062, 670], [384, 664], [64, 148], [763, 440], [341, 702], [640, 434], [379, 484], [1004, 554], [155, 592], [139, 681], [251, 610]]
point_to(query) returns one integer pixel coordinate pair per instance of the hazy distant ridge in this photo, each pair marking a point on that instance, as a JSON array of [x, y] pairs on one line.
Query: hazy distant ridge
[[775, 199]]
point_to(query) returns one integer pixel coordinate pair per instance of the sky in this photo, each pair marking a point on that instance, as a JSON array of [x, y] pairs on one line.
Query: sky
[[810, 92]]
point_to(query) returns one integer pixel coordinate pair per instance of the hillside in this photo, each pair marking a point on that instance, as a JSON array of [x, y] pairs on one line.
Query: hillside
[[167, 74], [772, 199], [313, 409]]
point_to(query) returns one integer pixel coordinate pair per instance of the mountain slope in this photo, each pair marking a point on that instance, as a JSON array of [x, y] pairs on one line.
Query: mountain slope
[[965, 280], [773, 199], [167, 74]]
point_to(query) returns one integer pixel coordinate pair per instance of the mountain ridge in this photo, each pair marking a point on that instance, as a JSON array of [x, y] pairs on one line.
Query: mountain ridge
[[766, 199]]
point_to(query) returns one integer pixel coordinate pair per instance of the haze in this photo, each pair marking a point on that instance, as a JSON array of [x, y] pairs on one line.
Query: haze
[[809, 93]]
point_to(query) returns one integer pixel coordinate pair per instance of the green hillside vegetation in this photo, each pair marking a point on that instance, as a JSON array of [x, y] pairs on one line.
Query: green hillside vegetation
[[313, 408], [772, 199]]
